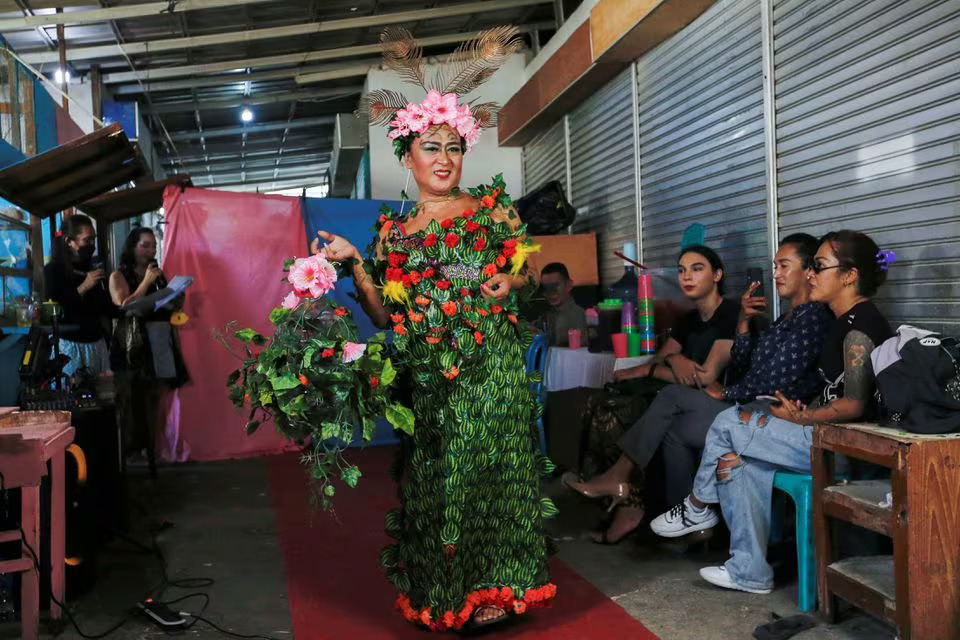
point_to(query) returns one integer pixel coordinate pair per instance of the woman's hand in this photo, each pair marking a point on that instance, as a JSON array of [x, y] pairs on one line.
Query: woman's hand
[[714, 390], [788, 409], [91, 279], [497, 287], [685, 370], [640, 371], [751, 305], [335, 248], [152, 273]]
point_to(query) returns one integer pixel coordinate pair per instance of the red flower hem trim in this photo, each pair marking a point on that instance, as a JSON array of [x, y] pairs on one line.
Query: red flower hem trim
[[503, 598]]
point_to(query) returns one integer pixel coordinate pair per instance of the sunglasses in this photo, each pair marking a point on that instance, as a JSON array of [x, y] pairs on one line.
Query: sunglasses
[[818, 268]]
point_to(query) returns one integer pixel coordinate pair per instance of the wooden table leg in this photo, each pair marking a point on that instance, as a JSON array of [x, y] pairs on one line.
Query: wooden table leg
[[57, 532], [822, 476], [30, 580]]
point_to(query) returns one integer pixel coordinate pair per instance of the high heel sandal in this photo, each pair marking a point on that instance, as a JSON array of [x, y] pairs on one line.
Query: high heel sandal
[[622, 493]]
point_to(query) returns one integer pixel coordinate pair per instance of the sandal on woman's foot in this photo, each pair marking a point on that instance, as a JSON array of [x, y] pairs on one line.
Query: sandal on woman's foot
[[633, 517], [476, 623]]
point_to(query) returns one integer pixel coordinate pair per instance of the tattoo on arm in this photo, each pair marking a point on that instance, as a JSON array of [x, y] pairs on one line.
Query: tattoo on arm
[[857, 372]]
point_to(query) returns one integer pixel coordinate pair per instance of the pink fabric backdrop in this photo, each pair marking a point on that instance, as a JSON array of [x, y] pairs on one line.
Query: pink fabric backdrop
[[233, 245]]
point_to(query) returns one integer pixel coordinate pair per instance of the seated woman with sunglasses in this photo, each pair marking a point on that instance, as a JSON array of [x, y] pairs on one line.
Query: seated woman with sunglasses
[[783, 356], [745, 447], [695, 355]]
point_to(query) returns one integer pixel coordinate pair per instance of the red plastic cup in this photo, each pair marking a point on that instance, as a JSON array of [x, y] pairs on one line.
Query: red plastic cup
[[619, 345], [573, 337], [645, 286]]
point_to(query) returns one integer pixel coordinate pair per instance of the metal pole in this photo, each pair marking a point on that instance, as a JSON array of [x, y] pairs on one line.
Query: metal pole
[[558, 12], [62, 50], [568, 167], [770, 138], [635, 103]]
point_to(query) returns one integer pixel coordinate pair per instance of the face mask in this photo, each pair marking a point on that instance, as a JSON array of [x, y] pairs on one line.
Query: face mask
[[86, 253]]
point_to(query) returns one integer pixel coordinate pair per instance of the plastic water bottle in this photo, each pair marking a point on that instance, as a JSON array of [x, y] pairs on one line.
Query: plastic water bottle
[[625, 288]]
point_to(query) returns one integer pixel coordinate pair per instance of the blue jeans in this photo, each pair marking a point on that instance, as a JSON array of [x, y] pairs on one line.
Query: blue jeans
[[765, 445]]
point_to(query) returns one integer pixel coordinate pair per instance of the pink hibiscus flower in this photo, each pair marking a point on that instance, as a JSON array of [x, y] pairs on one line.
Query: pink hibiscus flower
[[353, 350], [290, 302]]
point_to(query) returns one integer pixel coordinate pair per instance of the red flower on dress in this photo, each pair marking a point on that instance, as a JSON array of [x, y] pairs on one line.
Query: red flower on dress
[[490, 270], [487, 202], [451, 373], [478, 337], [420, 300], [340, 312], [510, 242], [303, 380], [326, 353], [449, 308], [407, 282], [480, 244], [483, 312], [396, 317], [496, 309], [496, 192], [451, 240], [512, 318], [433, 339], [509, 252], [414, 316], [415, 277], [399, 330], [464, 292], [396, 259], [447, 224], [443, 284], [472, 226], [469, 213], [428, 272], [430, 240], [394, 274], [374, 382], [501, 260]]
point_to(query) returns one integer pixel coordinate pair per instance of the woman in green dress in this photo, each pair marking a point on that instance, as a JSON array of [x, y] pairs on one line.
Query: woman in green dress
[[470, 546]]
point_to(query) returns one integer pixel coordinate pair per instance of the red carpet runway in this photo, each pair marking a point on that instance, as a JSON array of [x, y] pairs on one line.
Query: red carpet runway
[[336, 588]]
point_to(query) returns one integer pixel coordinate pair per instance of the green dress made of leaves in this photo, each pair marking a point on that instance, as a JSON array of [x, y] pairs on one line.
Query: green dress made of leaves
[[469, 532]]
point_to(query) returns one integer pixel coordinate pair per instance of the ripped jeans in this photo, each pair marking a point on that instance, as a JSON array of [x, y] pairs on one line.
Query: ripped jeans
[[764, 445]]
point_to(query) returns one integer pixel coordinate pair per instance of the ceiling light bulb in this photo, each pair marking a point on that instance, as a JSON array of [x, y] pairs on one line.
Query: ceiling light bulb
[[60, 77], [246, 115]]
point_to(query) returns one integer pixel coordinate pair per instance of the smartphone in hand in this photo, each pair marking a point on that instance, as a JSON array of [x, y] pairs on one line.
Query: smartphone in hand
[[755, 274]]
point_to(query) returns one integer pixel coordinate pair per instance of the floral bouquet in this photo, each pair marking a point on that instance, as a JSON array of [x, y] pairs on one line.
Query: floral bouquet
[[319, 384]]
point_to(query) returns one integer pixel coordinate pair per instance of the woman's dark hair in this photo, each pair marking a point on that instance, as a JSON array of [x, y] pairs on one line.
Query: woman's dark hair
[[70, 228], [127, 258], [805, 245], [712, 257], [855, 250]]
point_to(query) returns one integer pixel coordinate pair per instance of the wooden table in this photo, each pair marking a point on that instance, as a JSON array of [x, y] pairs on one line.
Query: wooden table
[[918, 588], [28, 440]]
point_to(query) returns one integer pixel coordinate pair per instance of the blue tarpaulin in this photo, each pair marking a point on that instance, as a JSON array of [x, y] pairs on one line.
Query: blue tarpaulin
[[353, 220]]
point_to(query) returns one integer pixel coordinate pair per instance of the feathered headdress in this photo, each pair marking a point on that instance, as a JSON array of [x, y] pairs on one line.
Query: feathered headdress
[[467, 68]]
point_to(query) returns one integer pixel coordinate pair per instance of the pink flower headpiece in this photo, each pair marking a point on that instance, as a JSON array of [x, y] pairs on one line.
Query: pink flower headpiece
[[437, 109], [467, 68]]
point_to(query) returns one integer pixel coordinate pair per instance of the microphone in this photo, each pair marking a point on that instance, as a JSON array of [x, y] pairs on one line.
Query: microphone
[[161, 280], [97, 263]]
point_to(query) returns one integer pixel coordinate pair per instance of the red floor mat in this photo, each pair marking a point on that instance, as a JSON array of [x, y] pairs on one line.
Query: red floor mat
[[337, 590]]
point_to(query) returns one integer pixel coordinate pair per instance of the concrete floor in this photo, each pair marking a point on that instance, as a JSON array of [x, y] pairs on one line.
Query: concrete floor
[[223, 529]]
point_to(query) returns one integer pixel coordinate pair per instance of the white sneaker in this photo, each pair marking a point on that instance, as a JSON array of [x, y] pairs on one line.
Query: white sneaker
[[720, 577], [684, 519]]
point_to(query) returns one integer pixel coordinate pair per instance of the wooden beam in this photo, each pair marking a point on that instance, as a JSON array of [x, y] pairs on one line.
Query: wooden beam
[[161, 73], [271, 33], [113, 13], [237, 102]]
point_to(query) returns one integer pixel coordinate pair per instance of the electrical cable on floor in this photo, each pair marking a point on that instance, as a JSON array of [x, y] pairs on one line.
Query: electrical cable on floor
[[183, 583]]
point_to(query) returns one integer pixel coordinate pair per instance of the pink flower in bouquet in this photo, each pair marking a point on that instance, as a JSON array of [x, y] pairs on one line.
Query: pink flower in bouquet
[[315, 274], [353, 350], [290, 302]]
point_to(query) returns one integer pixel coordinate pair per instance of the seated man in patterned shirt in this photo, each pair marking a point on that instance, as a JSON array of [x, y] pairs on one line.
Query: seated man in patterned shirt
[[782, 357]]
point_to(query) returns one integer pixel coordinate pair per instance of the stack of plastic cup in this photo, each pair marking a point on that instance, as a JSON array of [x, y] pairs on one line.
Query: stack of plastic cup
[[627, 323], [645, 313]]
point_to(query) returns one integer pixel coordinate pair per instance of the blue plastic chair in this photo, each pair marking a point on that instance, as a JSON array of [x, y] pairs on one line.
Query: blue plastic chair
[[536, 361], [799, 486]]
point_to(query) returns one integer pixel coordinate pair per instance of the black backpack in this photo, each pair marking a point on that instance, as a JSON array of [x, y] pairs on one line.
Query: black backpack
[[918, 379], [545, 210]]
